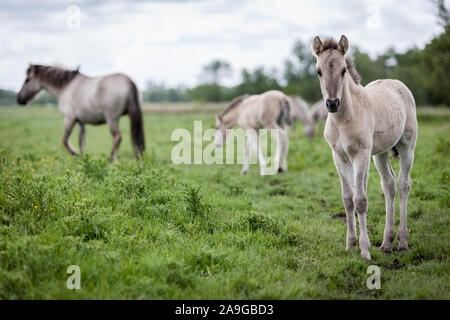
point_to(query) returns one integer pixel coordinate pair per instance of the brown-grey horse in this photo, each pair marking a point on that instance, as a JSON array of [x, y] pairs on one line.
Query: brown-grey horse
[[364, 122], [88, 100], [300, 111]]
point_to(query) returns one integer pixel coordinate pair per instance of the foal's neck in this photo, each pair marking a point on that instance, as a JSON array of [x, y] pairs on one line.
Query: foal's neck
[[348, 102]]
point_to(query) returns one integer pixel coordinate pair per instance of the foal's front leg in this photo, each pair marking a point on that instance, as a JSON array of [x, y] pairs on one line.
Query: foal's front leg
[[345, 170], [361, 163]]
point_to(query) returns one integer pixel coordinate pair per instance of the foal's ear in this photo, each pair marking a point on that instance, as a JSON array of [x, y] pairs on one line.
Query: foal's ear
[[343, 45], [317, 46]]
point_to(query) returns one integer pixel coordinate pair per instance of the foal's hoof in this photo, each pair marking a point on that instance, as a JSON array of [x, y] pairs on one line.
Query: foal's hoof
[[244, 172], [351, 243], [402, 247], [385, 249], [366, 255], [281, 170]]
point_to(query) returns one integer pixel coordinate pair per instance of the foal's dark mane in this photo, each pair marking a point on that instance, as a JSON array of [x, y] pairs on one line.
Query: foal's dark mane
[[330, 44], [55, 76], [234, 103]]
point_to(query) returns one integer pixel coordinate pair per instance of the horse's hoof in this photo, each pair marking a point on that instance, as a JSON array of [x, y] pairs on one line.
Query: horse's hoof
[[281, 170], [244, 172], [385, 249], [402, 247], [366, 255], [351, 243]]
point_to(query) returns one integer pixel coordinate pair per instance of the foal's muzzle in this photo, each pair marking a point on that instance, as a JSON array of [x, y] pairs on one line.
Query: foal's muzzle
[[333, 105]]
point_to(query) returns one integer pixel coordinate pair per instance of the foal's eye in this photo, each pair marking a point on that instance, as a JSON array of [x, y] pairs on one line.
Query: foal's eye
[[344, 71], [319, 73], [26, 80]]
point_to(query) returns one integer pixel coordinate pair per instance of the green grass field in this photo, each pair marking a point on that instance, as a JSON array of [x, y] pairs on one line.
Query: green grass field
[[162, 231]]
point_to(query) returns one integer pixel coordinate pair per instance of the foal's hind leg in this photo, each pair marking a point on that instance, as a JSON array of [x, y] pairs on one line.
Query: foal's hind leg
[[388, 185], [113, 125], [68, 126], [404, 187]]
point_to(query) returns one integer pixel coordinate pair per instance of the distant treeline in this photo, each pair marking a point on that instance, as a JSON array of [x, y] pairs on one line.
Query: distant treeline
[[424, 71]]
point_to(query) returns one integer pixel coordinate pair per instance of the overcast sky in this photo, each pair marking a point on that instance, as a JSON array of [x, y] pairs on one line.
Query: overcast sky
[[169, 41]]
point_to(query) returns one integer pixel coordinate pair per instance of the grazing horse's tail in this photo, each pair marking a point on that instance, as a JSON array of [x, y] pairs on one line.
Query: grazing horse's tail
[[285, 113], [137, 127]]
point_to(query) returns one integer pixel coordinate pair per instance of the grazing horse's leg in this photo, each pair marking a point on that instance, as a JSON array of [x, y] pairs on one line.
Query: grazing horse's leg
[[68, 126], [345, 171], [113, 125], [247, 155], [81, 137], [388, 185], [277, 135], [361, 163], [404, 187], [251, 147], [284, 141], [261, 160]]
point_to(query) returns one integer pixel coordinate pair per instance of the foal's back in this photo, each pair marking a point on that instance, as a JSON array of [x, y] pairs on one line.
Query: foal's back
[[394, 112]]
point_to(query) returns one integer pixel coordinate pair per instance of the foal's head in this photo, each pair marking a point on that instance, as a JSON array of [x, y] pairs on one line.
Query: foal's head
[[331, 68]]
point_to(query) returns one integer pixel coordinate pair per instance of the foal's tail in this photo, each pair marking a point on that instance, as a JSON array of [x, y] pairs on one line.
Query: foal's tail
[[284, 117], [137, 127]]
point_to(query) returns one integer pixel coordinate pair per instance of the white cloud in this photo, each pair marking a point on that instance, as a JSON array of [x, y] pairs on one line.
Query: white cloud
[[169, 41]]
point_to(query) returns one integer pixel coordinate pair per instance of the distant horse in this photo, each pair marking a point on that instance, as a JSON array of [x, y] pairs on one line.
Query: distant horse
[[87, 100], [364, 122], [319, 111], [300, 111], [269, 110]]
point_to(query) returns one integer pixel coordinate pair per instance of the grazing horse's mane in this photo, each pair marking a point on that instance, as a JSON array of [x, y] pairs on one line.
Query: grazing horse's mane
[[55, 76], [234, 103], [330, 43]]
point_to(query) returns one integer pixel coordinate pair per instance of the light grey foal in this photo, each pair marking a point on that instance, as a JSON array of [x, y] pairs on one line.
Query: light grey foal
[[364, 122]]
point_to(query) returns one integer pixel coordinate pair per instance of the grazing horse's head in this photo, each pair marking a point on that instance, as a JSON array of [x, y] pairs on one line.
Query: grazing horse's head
[[224, 121], [331, 69], [221, 131], [31, 86], [44, 77]]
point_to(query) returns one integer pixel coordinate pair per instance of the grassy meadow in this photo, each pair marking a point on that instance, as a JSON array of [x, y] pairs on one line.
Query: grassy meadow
[[156, 230]]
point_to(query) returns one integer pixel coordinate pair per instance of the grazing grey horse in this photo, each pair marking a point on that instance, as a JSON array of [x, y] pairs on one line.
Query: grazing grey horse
[[300, 111], [86, 100], [268, 110], [364, 122]]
